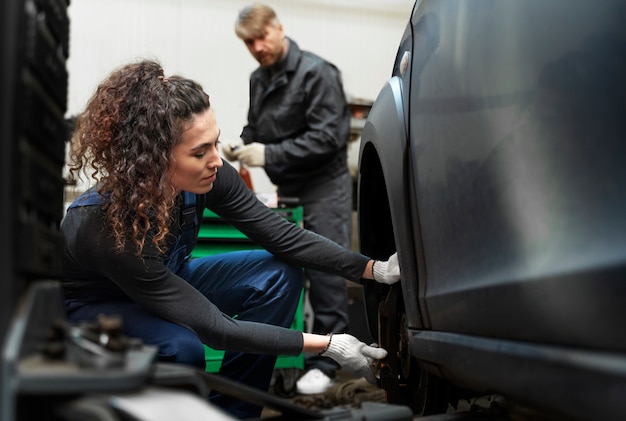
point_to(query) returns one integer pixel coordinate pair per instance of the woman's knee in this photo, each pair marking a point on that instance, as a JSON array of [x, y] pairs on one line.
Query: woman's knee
[[184, 349], [291, 276]]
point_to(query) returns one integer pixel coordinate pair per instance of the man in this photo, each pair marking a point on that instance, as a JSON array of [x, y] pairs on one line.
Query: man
[[298, 127]]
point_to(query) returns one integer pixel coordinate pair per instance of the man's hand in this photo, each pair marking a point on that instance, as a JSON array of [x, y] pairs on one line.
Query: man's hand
[[252, 155], [387, 272], [354, 355], [229, 149]]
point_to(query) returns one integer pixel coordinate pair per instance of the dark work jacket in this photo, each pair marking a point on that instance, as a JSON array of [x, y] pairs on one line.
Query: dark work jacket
[[302, 117]]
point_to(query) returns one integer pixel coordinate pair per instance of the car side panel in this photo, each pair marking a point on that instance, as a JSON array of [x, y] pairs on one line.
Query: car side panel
[[518, 144]]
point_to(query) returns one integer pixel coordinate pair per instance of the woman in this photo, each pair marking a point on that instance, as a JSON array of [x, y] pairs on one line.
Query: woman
[[151, 145]]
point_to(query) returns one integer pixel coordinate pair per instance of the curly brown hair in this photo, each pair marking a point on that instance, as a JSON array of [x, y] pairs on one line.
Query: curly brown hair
[[124, 139]]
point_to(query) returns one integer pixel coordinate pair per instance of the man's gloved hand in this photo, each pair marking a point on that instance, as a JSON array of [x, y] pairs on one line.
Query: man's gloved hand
[[229, 149], [387, 272], [252, 155], [354, 355]]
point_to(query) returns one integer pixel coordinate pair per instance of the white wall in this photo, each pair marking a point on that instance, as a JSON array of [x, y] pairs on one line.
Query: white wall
[[196, 38]]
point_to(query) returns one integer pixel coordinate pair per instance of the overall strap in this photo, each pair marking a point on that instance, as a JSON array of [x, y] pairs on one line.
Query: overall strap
[[189, 228], [90, 197], [190, 215]]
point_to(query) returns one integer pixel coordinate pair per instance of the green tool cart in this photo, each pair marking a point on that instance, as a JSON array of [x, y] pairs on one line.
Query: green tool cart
[[218, 236]]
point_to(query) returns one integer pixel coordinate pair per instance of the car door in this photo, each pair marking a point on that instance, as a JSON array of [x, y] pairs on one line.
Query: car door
[[517, 148]]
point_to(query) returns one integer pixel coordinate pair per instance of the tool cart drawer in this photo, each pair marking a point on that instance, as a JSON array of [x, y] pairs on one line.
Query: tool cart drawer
[[218, 236]]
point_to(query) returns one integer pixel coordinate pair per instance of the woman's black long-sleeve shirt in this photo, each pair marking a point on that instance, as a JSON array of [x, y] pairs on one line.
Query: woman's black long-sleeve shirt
[[94, 271]]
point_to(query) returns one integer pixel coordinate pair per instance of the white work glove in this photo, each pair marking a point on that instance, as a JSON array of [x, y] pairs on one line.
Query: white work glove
[[252, 155], [387, 272], [354, 355]]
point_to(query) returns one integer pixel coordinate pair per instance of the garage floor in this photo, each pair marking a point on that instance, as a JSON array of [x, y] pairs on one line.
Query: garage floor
[[346, 392], [349, 393]]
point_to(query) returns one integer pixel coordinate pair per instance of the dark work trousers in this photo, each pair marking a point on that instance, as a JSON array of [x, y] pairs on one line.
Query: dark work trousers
[[328, 212], [253, 285]]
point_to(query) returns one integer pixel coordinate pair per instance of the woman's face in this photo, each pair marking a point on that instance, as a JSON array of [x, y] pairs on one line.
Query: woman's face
[[195, 159]]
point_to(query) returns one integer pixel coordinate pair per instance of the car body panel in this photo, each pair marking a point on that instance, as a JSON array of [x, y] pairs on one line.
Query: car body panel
[[501, 151], [519, 175], [565, 382]]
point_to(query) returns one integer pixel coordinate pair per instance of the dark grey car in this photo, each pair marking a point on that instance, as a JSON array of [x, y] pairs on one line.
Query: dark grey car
[[493, 161]]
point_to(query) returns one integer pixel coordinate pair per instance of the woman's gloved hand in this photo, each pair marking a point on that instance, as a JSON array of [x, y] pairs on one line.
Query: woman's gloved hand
[[386, 272], [354, 355]]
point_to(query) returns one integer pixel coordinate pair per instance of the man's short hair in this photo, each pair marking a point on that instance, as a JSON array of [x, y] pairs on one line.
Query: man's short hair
[[253, 19]]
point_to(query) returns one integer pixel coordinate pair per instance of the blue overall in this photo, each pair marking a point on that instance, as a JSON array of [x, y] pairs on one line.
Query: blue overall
[[251, 285]]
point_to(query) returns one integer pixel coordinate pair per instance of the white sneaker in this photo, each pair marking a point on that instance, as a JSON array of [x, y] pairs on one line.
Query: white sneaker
[[314, 381]]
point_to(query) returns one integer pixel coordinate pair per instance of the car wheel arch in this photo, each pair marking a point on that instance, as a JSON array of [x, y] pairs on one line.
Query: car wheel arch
[[384, 191]]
